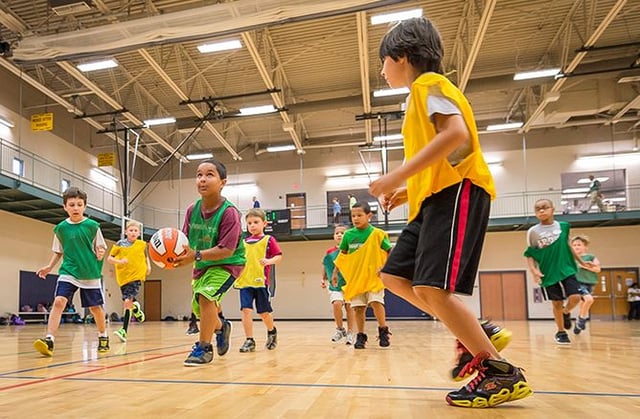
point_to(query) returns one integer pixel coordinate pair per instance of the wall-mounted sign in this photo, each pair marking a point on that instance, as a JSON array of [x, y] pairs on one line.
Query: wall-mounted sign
[[42, 121]]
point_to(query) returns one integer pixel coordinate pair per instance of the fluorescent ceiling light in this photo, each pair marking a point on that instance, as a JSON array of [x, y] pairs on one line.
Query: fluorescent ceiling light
[[242, 185], [199, 156], [631, 156], [494, 163], [525, 75], [359, 176], [257, 110], [599, 179], [390, 137], [159, 121], [394, 147], [391, 92], [395, 16], [104, 174], [629, 79], [6, 123], [220, 46], [575, 190], [278, 148], [504, 127], [97, 65]]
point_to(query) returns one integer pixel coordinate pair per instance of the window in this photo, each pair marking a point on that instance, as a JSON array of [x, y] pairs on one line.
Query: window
[[18, 167], [64, 184]]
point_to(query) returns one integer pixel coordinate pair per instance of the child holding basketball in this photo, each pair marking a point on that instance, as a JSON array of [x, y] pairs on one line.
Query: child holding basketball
[[587, 277], [363, 251], [552, 262], [214, 229], [129, 255], [263, 251], [449, 189], [336, 296], [78, 241]]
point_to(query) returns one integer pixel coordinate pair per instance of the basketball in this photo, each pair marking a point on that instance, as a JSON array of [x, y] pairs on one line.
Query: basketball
[[165, 245]]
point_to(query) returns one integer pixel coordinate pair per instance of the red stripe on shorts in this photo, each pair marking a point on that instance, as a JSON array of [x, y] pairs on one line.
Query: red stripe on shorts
[[463, 216]]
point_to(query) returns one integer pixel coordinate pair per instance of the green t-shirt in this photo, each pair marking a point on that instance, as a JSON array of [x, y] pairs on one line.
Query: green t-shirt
[[354, 238], [549, 247], [585, 276], [78, 243], [328, 262]]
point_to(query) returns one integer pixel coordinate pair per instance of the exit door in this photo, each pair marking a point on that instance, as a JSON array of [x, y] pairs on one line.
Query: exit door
[[152, 300], [610, 293], [297, 204]]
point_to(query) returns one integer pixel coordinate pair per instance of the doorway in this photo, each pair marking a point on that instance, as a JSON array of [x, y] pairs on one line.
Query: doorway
[[503, 295], [297, 204], [153, 300], [610, 293]]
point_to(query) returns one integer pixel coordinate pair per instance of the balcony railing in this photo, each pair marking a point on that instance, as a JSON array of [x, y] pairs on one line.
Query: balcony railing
[[48, 176]]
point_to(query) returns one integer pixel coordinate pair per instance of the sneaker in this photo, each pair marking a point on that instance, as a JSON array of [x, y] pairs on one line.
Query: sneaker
[[562, 338], [249, 345], [193, 329], [339, 335], [497, 382], [103, 343], [566, 318], [383, 336], [137, 312], [581, 324], [121, 334], [44, 346], [200, 355], [350, 338], [222, 338], [361, 339], [272, 340], [500, 338]]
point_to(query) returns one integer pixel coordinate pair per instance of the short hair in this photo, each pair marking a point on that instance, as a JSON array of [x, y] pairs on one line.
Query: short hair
[[583, 238], [133, 223], [364, 205], [74, 192], [418, 40], [544, 199], [337, 226], [221, 168], [256, 212]]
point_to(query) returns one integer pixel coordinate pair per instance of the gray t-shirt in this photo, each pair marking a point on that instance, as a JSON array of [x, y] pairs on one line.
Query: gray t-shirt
[[541, 235]]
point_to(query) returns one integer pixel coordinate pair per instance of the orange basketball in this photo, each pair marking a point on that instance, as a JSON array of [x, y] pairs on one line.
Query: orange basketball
[[165, 245]]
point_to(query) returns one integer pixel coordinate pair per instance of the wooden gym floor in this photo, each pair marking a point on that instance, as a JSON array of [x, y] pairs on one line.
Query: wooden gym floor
[[308, 375]]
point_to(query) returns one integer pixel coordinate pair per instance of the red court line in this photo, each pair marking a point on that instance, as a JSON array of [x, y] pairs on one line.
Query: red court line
[[74, 374]]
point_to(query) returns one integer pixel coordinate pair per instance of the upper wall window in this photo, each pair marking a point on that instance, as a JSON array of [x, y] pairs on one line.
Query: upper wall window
[[578, 197], [18, 167]]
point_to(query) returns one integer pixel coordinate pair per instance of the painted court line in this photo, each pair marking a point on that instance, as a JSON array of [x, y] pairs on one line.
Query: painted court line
[[339, 386], [74, 374]]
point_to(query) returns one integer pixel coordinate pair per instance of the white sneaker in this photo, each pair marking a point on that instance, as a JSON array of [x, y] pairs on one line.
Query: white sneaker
[[339, 335], [351, 338]]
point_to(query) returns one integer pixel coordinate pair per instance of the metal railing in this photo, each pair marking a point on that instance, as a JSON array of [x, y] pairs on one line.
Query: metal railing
[[48, 176]]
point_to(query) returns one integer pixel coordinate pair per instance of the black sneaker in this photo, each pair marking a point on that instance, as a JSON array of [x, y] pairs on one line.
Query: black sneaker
[[562, 338], [499, 337], [497, 382], [103, 344], [249, 345], [222, 338], [272, 339], [361, 340], [44, 346], [193, 329], [200, 355], [566, 318], [383, 336], [581, 324]]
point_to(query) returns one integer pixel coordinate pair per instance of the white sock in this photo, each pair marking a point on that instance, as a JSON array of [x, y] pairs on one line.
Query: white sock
[[51, 337]]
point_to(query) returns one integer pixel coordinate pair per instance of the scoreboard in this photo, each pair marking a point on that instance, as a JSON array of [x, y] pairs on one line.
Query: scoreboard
[[279, 221]]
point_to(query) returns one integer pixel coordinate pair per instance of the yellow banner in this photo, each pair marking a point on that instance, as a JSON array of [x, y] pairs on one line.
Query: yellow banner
[[106, 159], [42, 121]]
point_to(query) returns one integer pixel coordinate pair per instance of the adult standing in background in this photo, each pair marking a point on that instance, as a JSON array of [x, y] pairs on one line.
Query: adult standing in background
[[337, 209], [594, 195], [256, 203], [352, 202]]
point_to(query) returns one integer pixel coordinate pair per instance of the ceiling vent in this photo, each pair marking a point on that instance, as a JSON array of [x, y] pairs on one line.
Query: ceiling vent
[[69, 7]]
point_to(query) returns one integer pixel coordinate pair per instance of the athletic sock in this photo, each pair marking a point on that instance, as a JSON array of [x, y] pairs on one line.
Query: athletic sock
[[125, 321]]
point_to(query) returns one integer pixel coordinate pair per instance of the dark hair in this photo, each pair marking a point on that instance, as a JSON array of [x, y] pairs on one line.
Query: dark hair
[[73, 192], [221, 168], [364, 205], [417, 40]]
